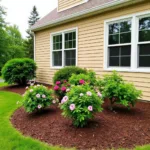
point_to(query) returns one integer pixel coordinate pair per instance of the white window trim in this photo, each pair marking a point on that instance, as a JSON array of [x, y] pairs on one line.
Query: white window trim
[[134, 42], [51, 46]]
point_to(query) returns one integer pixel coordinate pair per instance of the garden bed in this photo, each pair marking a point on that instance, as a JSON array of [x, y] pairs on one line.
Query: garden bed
[[121, 128]]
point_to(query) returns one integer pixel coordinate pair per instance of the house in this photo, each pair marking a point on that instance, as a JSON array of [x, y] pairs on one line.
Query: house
[[102, 35]]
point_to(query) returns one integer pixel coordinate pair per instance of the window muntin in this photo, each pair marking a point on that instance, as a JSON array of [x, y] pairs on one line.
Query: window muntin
[[119, 34], [64, 49], [144, 42]]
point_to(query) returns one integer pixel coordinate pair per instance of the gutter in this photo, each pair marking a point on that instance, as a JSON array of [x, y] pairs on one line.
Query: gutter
[[82, 13]]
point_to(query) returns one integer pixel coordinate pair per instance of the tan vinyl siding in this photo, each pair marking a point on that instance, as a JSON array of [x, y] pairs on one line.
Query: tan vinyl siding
[[65, 4], [90, 48]]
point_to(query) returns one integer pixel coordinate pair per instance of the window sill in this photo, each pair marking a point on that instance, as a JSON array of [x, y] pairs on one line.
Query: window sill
[[144, 70], [56, 68]]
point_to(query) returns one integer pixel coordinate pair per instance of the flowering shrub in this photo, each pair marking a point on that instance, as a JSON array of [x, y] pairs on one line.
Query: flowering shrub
[[61, 88], [37, 98], [80, 104], [66, 72], [80, 79], [115, 89]]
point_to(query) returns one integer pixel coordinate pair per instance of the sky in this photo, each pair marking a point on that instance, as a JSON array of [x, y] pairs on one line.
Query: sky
[[18, 11]]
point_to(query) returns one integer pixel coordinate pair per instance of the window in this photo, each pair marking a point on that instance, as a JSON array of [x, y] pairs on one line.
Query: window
[[127, 43], [144, 42], [64, 48], [120, 44]]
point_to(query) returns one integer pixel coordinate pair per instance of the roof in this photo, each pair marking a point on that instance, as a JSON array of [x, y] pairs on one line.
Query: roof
[[55, 17]]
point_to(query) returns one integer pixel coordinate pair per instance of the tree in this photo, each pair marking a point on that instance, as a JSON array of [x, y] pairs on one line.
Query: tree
[[29, 42], [15, 45]]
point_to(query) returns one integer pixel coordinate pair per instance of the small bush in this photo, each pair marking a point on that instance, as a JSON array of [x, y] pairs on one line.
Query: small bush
[[80, 79], [80, 104], [37, 98], [19, 71], [114, 88], [66, 73]]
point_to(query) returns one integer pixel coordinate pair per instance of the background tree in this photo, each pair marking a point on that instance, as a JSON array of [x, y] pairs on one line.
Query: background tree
[[29, 42]]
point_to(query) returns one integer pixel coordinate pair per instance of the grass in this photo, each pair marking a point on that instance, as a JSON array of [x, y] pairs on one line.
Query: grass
[[3, 84], [11, 139]]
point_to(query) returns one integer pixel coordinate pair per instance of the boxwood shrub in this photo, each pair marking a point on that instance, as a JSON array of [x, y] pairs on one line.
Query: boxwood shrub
[[19, 71]]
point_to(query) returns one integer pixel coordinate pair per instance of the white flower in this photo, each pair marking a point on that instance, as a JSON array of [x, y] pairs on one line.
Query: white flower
[[67, 90], [31, 84], [65, 98], [81, 94], [38, 95], [53, 101], [27, 87], [31, 90], [89, 93], [39, 106], [43, 96], [38, 85]]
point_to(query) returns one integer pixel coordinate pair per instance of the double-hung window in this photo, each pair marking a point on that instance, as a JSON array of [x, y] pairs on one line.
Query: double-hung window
[[127, 43], [64, 48]]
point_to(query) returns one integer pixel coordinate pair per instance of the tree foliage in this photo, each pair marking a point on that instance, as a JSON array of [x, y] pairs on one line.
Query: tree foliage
[[29, 42]]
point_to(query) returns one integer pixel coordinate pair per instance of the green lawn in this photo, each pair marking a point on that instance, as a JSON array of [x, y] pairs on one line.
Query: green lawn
[[3, 84], [10, 138]]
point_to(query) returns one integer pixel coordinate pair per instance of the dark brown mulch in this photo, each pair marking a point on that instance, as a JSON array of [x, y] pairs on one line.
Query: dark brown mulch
[[121, 128]]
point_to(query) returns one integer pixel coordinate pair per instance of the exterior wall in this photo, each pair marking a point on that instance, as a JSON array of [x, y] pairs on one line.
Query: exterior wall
[[90, 48], [65, 4]]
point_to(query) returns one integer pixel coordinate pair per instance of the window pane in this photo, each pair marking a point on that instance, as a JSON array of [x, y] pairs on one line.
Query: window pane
[[70, 40], [113, 61], [125, 37], [144, 61], [70, 57], [114, 39], [114, 28], [57, 42], [125, 50], [144, 23], [57, 58], [125, 26], [125, 61], [144, 35], [114, 51], [144, 49]]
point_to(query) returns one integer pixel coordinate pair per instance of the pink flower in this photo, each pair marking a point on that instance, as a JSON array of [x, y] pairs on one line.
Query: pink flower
[[38, 95], [72, 107], [99, 94], [31, 84], [58, 82], [56, 87], [53, 101], [27, 87], [81, 81], [39, 106], [63, 89], [65, 81], [90, 108], [89, 93], [65, 99], [43, 96], [68, 90]]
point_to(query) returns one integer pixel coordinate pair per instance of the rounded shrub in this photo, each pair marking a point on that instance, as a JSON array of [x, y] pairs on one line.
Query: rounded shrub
[[66, 72], [80, 104], [114, 88], [37, 98], [19, 71]]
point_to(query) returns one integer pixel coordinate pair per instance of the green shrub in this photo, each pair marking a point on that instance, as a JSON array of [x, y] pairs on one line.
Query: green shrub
[[66, 72], [37, 98], [19, 71], [80, 79], [80, 104], [114, 88]]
